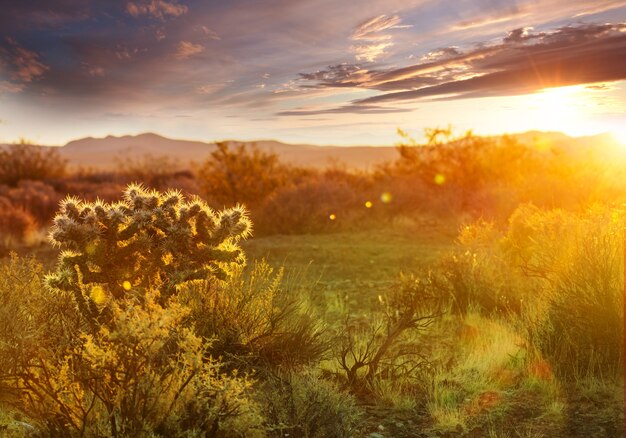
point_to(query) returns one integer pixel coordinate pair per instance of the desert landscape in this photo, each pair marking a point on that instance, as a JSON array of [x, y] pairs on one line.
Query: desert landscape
[[252, 219]]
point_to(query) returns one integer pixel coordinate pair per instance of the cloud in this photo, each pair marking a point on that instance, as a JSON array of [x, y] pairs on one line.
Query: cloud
[[346, 109], [521, 62], [374, 40], [156, 8], [24, 65], [188, 49], [10, 87], [497, 17]]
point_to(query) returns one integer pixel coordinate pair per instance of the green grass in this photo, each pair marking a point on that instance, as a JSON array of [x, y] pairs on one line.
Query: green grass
[[358, 265]]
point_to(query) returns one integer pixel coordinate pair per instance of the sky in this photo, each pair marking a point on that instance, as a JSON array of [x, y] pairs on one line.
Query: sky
[[309, 71]]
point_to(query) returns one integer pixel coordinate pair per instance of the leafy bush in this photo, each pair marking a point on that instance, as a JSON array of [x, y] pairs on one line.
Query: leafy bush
[[26, 161], [307, 207], [304, 406]]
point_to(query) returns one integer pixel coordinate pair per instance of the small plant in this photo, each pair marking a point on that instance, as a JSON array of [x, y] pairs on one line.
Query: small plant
[[370, 350], [149, 240], [305, 406]]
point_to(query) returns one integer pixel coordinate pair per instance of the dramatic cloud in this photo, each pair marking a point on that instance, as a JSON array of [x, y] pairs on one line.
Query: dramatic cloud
[[188, 49], [347, 109], [372, 37], [61, 60], [157, 8], [522, 62]]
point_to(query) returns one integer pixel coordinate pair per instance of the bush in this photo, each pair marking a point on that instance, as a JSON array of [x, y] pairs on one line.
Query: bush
[[255, 320], [304, 406], [26, 161], [579, 261], [307, 208], [36, 197], [16, 224], [238, 174], [370, 348]]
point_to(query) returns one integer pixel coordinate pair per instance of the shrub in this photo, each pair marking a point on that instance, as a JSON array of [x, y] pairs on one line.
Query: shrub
[[16, 224], [255, 319], [26, 161], [304, 406], [579, 261], [307, 208], [148, 240], [239, 174], [144, 376], [369, 348], [36, 197]]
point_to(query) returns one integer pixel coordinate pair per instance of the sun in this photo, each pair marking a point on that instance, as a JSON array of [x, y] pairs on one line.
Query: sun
[[560, 108]]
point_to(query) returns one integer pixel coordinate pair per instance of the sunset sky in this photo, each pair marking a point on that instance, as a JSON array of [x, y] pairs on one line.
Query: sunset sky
[[309, 71]]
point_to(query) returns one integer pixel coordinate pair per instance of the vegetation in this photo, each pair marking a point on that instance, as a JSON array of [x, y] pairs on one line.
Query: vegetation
[[447, 293]]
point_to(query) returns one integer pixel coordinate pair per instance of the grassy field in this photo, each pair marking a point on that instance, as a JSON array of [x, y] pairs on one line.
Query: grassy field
[[359, 264]]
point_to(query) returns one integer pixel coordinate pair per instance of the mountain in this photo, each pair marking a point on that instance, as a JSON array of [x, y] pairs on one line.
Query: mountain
[[106, 153], [103, 153]]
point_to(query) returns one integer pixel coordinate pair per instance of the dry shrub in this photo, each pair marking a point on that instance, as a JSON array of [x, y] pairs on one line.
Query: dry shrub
[[36, 197], [26, 161], [16, 224], [256, 319], [305, 406], [307, 208]]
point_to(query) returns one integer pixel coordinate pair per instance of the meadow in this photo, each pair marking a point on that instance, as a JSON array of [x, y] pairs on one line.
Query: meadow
[[472, 287]]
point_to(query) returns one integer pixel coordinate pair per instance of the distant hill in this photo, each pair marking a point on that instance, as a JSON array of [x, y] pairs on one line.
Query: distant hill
[[105, 153]]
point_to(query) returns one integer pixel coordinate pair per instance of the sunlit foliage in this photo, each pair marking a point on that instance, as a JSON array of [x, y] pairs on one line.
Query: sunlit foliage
[[149, 239]]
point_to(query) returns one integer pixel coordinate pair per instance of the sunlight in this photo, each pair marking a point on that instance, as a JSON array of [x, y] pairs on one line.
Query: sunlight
[[560, 108], [619, 133]]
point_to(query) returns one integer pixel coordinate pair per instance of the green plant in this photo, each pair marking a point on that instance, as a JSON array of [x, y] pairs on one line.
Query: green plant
[[149, 240], [304, 406], [256, 318]]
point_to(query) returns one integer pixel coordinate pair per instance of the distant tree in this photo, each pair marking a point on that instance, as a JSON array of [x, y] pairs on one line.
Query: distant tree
[[24, 161], [241, 174]]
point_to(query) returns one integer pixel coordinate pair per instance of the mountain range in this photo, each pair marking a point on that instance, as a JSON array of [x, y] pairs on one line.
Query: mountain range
[[106, 153]]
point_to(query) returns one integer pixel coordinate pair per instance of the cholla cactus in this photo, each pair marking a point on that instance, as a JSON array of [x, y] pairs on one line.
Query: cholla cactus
[[149, 240]]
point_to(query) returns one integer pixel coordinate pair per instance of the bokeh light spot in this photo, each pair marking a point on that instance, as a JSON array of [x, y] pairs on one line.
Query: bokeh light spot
[[386, 197], [440, 179], [97, 295], [332, 216], [368, 204], [126, 285]]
